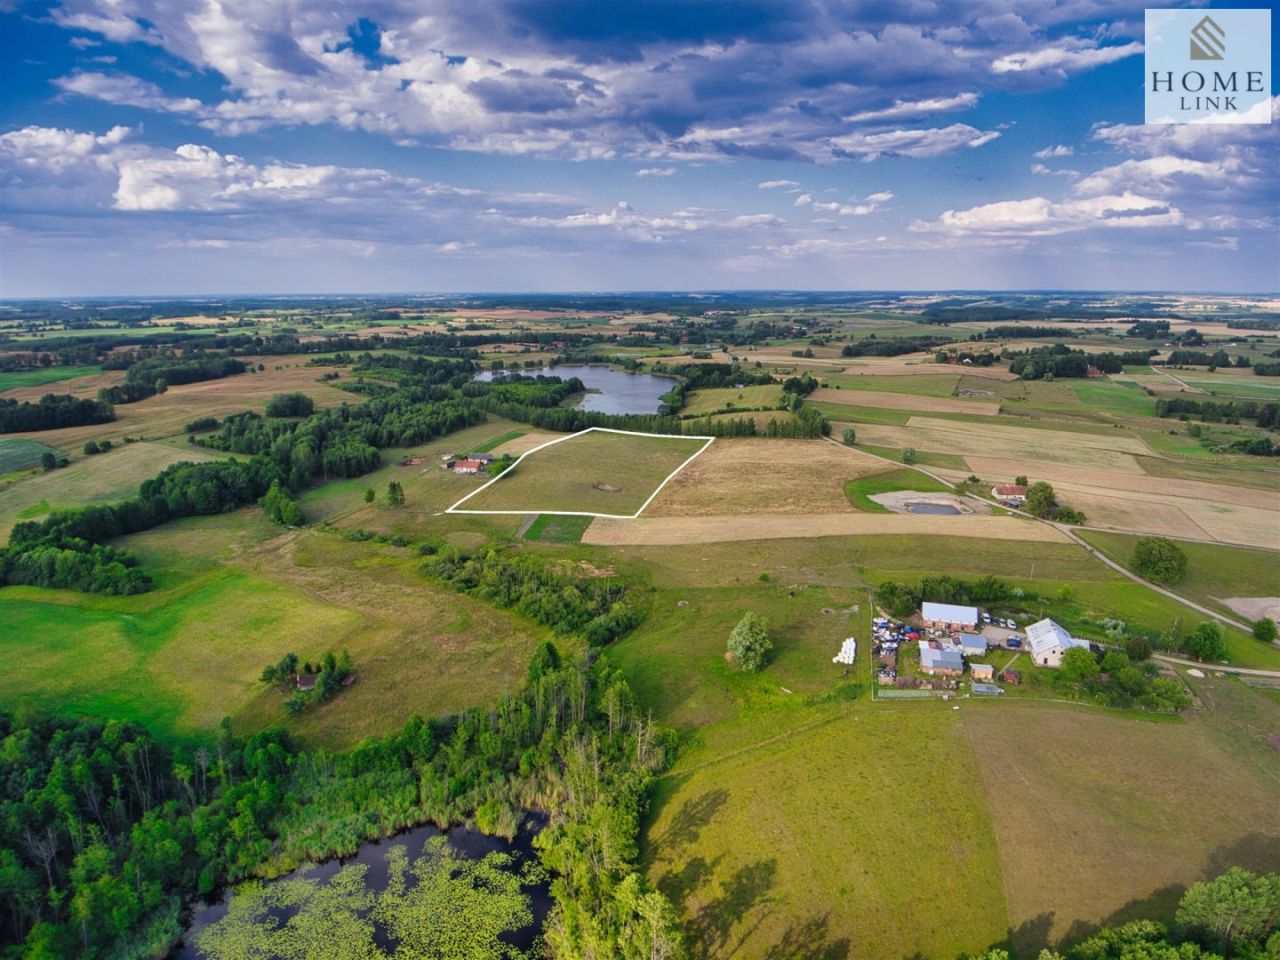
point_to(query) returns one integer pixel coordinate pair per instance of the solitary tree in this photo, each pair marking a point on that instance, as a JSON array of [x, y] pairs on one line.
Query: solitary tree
[[849, 436], [1265, 630], [395, 494], [370, 496], [749, 643], [1207, 641], [1039, 501], [1160, 560], [908, 455], [1020, 480], [48, 461]]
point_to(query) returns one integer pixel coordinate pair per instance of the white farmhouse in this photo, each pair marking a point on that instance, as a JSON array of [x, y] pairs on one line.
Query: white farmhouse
[[1049, 641]]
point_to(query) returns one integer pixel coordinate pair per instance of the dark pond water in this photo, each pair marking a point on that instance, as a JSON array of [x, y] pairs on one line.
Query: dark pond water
[[465, 843], [941, 509], [608, 391]]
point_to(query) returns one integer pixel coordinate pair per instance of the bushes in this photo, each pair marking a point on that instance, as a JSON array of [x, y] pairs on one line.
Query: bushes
[[1159, 560], [290, 405], [280, 507], [600, 609]]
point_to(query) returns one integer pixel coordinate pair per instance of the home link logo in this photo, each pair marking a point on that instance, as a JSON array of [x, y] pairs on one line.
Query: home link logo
[[1208, 40], [1208, 67]]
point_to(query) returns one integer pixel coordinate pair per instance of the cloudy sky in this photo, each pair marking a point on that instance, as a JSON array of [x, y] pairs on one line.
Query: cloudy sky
[[217, 146]]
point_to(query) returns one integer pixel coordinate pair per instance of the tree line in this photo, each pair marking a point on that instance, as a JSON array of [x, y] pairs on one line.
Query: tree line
[[52, 412], [1214, 411]]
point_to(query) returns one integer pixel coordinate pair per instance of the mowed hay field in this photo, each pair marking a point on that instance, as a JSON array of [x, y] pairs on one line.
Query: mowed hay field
[[746, 398], [166, 414], [1101, 817], [1009, 442], [593, 472], [903, 401], [851, 834], [759, 476], [235, 593], [103, 478]]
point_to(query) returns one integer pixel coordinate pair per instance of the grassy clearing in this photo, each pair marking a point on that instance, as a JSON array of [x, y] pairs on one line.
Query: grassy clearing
[[234, 594], [17, 454], [1105, 801], [762, 396], [11, 379], [104, 478], [1213, 572], [814, 833], [553, 528], [596, 472], [165, 415], [861, 490], [922, 385]]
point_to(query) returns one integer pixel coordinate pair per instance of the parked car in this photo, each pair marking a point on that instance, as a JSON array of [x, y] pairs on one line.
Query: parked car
[[1011, 624], [986, 618], [1013, 643]]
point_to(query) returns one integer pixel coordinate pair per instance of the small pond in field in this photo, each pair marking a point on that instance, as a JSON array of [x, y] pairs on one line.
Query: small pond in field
[[421, 891], [608, 390], [940, 509]]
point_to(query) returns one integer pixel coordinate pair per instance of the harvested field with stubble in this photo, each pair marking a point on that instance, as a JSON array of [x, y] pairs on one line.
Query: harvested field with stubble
[[596, 471], [902, 401], [764, 476], [1101, 840], [1108, 480], [1008, 442], [657, 531]]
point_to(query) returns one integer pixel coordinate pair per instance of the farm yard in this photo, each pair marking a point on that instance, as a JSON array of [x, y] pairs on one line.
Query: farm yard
[[597, 472]]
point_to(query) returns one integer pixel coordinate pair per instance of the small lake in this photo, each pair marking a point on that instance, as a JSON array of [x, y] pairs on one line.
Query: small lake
[[463, 844], [608, 390], [940, 509]]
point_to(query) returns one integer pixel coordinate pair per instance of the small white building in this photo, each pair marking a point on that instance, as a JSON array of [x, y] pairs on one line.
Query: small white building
[[1049, 641], [948, 616]]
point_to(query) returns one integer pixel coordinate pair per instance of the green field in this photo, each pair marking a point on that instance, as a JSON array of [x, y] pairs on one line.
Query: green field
[[597, 472], [234, 593], [861, 490], [701, 402], [17, 454], [1214, 571], [9, 379], [556, 528], [103, 478]]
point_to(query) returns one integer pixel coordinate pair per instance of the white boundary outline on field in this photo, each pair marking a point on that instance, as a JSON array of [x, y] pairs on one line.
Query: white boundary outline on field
[[583, 513]]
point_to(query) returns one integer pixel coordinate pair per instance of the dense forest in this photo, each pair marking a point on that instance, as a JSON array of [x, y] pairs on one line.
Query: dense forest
[[104, 833]]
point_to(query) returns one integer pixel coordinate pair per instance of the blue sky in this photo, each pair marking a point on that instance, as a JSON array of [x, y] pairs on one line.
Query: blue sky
[[217, 146]]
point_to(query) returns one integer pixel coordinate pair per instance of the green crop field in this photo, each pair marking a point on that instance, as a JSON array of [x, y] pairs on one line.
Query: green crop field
[[597, 472], [9, 379], [861, 490], [555, 528]]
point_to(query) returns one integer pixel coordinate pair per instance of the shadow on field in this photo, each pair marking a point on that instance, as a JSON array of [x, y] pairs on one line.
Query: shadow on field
[[687, 822], [808, 940], [1255, 851]]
